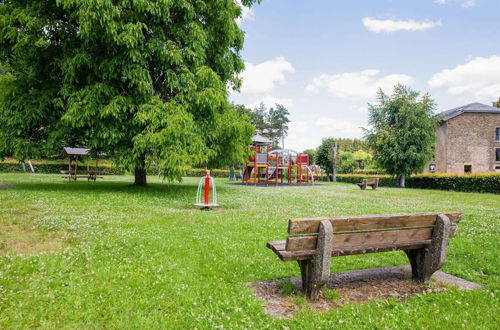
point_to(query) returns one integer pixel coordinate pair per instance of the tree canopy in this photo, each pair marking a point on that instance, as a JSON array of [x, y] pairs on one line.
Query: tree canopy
[[271, 123], [403, 131], [144, 81]]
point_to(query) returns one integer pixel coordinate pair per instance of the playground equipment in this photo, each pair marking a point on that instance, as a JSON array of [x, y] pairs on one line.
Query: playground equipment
[[204, 190], [276, 166]]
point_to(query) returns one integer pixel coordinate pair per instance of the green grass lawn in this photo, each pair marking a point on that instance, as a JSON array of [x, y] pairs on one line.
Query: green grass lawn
[[109, 255]]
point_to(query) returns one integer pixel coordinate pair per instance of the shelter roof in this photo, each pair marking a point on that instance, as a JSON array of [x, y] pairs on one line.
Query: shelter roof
[[75, 151]]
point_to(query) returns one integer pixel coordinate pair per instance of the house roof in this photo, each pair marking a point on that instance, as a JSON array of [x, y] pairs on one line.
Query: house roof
[[260, 139], [75, 151], [469, 108]]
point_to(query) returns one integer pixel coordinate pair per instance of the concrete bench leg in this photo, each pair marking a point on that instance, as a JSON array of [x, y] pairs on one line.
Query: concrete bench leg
[[316, 271], [424, 262]]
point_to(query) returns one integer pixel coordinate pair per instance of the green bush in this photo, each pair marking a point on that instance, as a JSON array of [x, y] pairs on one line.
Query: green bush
[[486, 182], [369, 171]]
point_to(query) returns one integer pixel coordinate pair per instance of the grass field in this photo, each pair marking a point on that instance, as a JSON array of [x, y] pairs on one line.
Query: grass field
[[109, 255]]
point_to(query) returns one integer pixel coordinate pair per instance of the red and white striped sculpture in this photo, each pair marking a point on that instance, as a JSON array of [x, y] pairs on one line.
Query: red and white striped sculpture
[[203, 193]]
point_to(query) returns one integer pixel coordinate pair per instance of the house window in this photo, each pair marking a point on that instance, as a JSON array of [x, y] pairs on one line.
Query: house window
[[497, 155], [497, 134], [467, 169]]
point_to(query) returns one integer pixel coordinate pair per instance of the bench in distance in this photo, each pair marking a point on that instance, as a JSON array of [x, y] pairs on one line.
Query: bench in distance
[[372, 182]]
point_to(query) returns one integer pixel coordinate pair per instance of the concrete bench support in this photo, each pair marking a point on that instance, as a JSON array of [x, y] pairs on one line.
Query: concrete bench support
[[315, 272], [425, 262]]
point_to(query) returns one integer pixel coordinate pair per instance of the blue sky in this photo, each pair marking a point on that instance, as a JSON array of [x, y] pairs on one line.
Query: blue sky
[[325, 59]]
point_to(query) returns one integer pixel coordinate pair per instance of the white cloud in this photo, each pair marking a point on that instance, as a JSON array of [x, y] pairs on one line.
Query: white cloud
[[298, 127], [358, 109], [263, 77], [389, 25], [468, 3], [479, 76], [247, 13], [270, 101], [463, 3], [338, 125], [300, 137], [363, 84]]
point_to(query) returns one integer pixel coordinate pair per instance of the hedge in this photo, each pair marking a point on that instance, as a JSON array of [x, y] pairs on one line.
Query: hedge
[[216, 173], [369, 171], [485, 182], [52, 168]]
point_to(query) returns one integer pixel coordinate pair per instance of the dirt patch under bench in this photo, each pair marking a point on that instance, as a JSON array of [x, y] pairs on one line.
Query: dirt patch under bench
[[354, 287]]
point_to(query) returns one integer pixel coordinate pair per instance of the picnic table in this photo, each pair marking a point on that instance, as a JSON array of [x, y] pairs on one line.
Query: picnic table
[[73, 175]]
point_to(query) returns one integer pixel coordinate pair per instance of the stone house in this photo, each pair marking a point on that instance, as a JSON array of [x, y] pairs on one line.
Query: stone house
[[468, 140]]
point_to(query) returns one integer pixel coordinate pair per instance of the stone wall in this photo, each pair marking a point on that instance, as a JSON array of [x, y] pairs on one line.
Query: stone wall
[[468, 139]]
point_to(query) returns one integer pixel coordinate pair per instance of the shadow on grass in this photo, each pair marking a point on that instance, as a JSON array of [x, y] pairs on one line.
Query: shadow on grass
[[152, 189]]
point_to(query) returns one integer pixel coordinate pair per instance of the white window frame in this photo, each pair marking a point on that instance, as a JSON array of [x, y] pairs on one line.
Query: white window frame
[[497, 128]]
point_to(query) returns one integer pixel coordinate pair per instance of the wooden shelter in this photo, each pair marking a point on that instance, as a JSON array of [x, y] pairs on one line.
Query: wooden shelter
[[73, 173]]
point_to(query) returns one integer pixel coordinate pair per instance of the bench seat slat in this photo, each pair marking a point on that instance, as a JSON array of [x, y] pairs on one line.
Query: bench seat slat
[[369, 222], [299, 243], [278, 248]]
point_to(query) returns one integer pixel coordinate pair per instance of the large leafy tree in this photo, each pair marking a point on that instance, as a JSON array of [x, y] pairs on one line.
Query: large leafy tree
[[403, 131], [144, 81]]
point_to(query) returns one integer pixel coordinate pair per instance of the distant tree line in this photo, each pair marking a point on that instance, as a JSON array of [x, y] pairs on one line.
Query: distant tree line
[[353, 154]]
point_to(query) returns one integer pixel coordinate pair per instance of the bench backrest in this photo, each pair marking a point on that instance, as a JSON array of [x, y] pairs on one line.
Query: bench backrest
[[371, 181], [368, 230]]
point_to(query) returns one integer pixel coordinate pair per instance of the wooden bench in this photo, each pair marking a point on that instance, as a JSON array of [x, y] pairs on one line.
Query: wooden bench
[[313, 241], [373, 182], [89, 175]]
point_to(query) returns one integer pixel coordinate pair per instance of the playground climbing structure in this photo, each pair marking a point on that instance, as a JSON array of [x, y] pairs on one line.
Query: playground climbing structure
[[281, 166]]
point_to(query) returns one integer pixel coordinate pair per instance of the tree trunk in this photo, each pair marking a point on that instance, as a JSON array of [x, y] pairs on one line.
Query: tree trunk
[[401, 183], [140, 173]]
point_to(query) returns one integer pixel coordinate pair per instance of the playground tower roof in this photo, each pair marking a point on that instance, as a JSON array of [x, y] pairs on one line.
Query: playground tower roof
[[260, 139]]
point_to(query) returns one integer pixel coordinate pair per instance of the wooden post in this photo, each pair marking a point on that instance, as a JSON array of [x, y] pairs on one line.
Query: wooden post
[[256, 151], [76, 167], [335, 148], [31, 166], [425, 262]]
